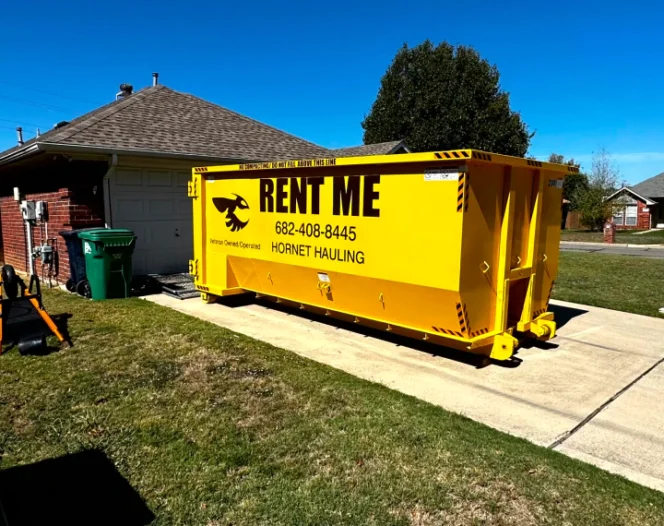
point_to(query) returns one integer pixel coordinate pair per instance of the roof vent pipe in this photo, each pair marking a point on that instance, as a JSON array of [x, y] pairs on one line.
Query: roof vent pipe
[[19, 136], [155, 79]]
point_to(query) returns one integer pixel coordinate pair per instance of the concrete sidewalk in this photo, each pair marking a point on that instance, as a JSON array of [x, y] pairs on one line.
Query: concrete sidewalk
[[596, 392]]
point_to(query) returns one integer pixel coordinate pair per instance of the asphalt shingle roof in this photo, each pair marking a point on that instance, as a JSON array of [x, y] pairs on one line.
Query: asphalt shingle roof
[[653, 187], [159, 119], [381, 148]]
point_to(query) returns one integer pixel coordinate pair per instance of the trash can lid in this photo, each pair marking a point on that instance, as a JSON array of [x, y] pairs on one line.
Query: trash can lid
[[106, 234]]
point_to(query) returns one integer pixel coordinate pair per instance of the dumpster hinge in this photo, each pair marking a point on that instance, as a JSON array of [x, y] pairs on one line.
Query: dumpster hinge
[[192, 189], [193, 267]]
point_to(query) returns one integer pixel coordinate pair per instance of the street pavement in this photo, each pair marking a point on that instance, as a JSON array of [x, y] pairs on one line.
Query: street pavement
[[645, 251], [595, 392]]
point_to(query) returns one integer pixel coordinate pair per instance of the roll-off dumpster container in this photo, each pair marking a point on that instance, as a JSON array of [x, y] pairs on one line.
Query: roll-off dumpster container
[[457, 247]]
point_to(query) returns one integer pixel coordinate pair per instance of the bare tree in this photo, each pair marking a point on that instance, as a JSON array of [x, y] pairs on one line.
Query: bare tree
[[603, 180], [605, 173]]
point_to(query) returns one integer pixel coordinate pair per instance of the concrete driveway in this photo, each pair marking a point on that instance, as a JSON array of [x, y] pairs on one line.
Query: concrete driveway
[[596, 392]]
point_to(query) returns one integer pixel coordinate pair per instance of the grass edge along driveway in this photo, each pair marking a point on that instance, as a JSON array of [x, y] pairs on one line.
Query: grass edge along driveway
[[211, 427], [624, 283], [631, 237]]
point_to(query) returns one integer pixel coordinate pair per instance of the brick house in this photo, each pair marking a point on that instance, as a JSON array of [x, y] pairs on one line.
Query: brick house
[[640, 207], [126, 165]]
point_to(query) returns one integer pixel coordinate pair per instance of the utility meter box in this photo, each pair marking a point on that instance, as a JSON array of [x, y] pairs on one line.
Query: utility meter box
[[28, 210], [457, 247], [41, 210]]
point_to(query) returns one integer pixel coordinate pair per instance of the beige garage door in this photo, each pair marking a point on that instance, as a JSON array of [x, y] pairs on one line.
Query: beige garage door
[[154, 204]]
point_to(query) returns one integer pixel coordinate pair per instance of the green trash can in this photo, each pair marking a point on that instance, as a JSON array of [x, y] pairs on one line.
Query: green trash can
[[108, 253]]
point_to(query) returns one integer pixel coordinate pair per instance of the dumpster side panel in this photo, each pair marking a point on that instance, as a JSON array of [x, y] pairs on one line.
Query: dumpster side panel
[[511, 233], [372, 226], [549, 238], [424, 309], [523, 180], [481, 245], [382, 247]]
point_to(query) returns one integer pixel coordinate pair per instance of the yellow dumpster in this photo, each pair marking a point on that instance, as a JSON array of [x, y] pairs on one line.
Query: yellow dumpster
[[456, 247]]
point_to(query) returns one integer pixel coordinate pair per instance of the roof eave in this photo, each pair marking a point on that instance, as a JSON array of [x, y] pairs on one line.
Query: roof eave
[[21, 153], [400, 144], [78, 148], [649, 202]]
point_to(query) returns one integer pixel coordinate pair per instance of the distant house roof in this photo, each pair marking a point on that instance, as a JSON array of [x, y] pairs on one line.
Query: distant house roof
[[158, 120], [626, 189], [381, 148], [653, 187]]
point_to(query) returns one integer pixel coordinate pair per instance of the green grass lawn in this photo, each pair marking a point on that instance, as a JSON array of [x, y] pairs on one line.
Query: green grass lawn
[[630, 284], [214, 428], [622, 236]]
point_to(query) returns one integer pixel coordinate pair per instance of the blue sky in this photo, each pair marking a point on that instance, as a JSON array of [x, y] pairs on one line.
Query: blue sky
[[584, 75]]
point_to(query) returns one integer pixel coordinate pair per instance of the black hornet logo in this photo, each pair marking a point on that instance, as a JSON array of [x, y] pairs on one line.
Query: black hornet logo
[[229, 206]]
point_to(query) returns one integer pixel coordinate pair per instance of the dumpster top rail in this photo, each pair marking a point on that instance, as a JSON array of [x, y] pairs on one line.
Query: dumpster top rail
[[442, 156]]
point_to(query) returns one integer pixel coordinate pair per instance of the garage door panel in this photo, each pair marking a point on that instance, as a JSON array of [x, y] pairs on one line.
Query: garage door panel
[[139, 263], [155, 178], [161, 207], [129, 209], [138, 228], [184, 207], [166, 234], [128, 177], [154, 204], [166, 260], [186, 236], [182, 178]]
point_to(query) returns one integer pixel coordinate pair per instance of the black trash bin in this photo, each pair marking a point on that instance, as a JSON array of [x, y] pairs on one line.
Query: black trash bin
[[78, 281]]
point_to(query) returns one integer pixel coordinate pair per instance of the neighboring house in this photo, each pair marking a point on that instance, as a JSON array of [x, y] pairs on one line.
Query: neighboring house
[[126, 165], [640, 206], [381, 148]]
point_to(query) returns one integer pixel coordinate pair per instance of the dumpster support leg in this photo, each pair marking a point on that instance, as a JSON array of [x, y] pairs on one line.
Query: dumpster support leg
[[503, 346], [533, 245], [544, 328], [506, 231]]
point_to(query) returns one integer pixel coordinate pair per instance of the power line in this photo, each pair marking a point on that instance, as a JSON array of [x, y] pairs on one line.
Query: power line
[[7, 127], [46, 92], [25, 101], [22, 123]]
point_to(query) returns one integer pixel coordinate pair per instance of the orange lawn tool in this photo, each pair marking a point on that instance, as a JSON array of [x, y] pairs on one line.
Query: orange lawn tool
[[25, 322]]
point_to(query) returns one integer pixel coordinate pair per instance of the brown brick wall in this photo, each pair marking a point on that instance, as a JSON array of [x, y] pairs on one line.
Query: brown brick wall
[[65, 213], [642, 219], [73, 191]]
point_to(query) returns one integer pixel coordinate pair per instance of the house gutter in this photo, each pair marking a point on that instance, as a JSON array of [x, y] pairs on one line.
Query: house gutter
[[106, 185], [75, 148], [18, 154]]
